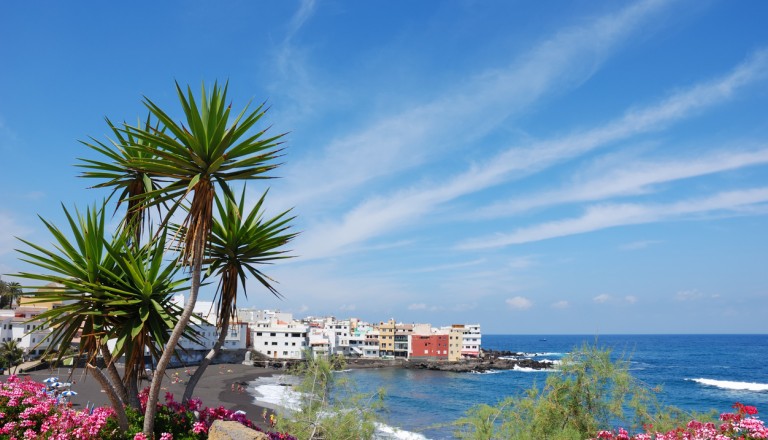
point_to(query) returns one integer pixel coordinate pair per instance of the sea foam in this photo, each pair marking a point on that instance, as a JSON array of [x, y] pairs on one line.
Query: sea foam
[[272, 392], [732, 385]]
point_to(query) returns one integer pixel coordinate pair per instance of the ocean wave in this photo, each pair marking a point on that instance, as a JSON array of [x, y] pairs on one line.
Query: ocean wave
[[386, 432], [531, 370], [486, 372], [732, 385]]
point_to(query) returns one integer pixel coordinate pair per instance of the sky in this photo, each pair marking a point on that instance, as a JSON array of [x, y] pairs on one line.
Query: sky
[[588, 167]]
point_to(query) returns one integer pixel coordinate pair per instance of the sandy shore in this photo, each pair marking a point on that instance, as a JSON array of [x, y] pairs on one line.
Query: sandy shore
[[214, 389]]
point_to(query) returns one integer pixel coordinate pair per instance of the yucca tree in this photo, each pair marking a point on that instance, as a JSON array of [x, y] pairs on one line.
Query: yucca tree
[[196, 158], [128, 183], [242, 242], [110, 290]]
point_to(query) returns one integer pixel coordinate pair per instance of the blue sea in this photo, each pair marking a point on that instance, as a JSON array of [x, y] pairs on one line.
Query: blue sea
[[696, 372]]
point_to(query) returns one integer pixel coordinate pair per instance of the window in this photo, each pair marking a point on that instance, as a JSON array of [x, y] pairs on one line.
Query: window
[[273, 334], [258, 333], [266, 343], [285, 353], [274, 343]]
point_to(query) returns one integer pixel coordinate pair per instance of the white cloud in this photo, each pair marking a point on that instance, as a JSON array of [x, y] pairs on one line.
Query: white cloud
[[379, 215], [613, 215], [600, 299], [522, 262], [561, 304], [631, 299], [386, 146], [689, 295], [347, 307], [419, 306], [519, 303], [636, 178]]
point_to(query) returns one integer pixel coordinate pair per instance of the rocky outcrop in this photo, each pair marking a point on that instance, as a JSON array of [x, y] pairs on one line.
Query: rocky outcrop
[[229, 430], [480, 365]]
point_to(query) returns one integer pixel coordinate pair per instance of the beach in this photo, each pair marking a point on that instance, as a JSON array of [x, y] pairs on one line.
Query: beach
[[221, 385]]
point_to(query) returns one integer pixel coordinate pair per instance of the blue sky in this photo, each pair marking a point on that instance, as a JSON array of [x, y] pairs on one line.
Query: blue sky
[[537, 167]]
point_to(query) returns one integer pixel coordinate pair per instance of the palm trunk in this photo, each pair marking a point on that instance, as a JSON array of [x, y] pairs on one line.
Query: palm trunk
[[178, 330], [206, 361], [117, 405]]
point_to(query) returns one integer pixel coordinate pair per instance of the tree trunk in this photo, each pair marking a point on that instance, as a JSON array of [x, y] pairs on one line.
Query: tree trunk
[[207, 360], [117, 405], [114, 375], [178, 330]]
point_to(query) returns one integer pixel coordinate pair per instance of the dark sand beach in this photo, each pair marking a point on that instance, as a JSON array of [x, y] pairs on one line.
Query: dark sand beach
[[217, 387]]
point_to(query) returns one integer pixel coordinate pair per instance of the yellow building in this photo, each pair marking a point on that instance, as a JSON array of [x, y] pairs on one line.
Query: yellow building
[[387, 338], [455, 341]]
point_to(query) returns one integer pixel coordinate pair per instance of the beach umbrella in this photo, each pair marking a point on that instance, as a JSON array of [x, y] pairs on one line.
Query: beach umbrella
[[54, 385], [63, 384], [51, 380], [69, 393]]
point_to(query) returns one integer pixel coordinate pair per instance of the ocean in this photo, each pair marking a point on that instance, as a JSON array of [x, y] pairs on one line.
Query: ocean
[[696, 372]]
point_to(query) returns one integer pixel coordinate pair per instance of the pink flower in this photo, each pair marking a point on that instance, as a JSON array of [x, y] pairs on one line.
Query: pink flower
[[166, 436], [139, 436]]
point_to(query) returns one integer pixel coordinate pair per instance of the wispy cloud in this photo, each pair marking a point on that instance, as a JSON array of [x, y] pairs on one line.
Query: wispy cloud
[[630, 299], [632, 179], [603, 298], [381, 214], [561, 304], [613, 215], [519, 303], [689, 295], [408, 137]]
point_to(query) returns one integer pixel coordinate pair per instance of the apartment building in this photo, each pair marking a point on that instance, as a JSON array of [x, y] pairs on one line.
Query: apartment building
[[30, 336], [387, 338], [471, 341]]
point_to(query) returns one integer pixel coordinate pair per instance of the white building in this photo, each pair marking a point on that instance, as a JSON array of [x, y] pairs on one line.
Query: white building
[[280, 339], [472, 341], [15, 325]]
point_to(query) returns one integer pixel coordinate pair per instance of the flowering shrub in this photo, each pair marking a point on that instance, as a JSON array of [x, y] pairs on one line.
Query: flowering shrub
[[27, 412], [742, 424]]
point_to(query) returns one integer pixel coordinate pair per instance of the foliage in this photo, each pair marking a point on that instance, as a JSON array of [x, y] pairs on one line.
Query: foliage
[[742, 424], [28, 411], [588, 393], [329, 406], [9, 294], [10, 354]]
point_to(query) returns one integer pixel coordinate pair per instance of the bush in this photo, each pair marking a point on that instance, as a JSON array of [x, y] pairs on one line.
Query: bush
[[329, 407], [590, 392]]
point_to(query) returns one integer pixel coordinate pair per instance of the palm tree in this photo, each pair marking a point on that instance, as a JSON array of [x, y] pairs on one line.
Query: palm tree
[[196, 157], [12, 354], [10, 292], [110, 290], [239, 244]]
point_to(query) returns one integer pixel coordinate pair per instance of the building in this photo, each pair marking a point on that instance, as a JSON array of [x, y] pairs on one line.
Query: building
[[455, 341], [19, 325], [387, 338], [431, 347], [280, 339], [403, 333], [472, 340]]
